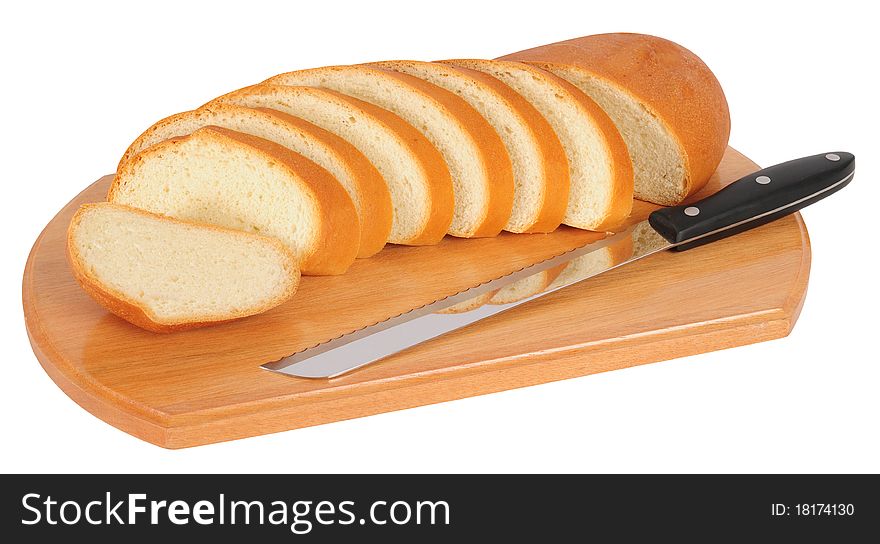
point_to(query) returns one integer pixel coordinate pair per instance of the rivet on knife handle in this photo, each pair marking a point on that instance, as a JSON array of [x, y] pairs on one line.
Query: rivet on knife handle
[[754, 200]]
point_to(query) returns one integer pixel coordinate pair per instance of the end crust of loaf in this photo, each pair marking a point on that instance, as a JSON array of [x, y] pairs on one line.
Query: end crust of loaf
[[626, 72], [409, 163], [137, 313], [333, 239], [480, 168], [357, 175]]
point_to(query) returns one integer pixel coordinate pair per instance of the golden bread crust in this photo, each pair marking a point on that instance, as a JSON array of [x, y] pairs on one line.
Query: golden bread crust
[[133, 312], [373, 196], [672, 82], [428, 158], [492, 153], [338, 239], [336, 247], [554, 165], [621, 190]]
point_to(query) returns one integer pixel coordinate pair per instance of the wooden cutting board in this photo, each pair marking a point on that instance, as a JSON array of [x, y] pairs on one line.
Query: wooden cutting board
[[205, 385]]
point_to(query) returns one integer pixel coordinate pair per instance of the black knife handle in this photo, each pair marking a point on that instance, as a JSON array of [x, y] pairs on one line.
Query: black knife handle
[[756, 199]]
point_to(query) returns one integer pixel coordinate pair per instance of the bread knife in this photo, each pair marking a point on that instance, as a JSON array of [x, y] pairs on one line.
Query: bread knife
[[751, 201]]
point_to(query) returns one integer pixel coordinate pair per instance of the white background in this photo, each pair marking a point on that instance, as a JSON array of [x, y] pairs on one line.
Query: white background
[[81, 80]]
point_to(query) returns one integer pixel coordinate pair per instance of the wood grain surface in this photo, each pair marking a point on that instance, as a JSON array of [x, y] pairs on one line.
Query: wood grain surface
[[203, 386]]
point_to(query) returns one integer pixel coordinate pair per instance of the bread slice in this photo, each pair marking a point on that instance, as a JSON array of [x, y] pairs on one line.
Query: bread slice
[[416, 176], [663, 98], [239, 181], [350, 167], [540, 168], [526, 287], [600, 170], [165, 275], [482, 175]]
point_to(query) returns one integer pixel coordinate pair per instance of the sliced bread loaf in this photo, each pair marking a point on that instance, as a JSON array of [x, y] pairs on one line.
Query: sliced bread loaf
[[540, 168], [226, 178], [663, 98], [600, 170], [413, 169], [482, 175], [165, 275], [351, 168]]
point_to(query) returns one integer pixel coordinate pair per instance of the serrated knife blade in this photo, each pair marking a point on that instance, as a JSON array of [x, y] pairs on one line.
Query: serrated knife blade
[[374, 342], [751, 201]]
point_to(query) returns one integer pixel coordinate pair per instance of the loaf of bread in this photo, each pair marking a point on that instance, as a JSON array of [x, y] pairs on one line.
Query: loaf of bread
[[600, 171], [665, 101], [482, 176], [540, 167], [334, 162], [234, 180], [350, 167], [413, 169], [165, 275]]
